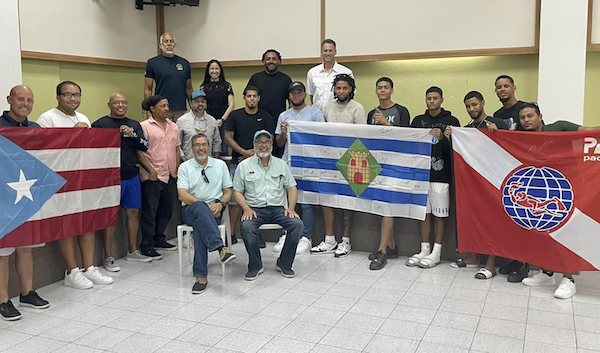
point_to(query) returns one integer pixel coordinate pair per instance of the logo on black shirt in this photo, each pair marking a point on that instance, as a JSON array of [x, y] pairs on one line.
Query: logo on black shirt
[[179, 67]]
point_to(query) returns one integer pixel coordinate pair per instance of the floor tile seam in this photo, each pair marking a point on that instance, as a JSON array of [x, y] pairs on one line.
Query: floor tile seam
[[487, 294], [450, 344]]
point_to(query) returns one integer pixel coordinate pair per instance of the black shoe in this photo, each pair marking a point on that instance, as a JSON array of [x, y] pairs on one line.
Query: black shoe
[[252, 275], [33, 300], [9, 312], [233, 240], [512, 266], [518, 275], [285, 272], [198, 288], [163, 245], [261, 242], [151, 253], [390, 253], [379, 262]]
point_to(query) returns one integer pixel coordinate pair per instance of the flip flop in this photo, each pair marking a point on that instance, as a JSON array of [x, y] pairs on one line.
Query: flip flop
[[413, 260], [460, 263], [427, 262], [484, 273]]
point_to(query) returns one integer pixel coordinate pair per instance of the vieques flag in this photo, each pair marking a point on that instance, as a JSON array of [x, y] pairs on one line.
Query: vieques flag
[[529, 196], [56, 183], [368, 168]]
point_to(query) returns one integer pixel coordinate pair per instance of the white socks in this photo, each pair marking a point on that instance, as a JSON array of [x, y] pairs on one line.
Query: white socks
[[330, 239], [436, 254], [425, 250], [346, 240]]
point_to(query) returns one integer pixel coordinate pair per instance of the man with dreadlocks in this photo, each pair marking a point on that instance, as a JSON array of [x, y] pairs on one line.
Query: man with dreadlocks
[[344, 109]]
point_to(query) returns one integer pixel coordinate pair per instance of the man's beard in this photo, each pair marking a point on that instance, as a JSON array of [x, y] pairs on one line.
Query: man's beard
[[504, 100], [271, 70], [297, 104], [343, 101], [199, 111], [263, 154], [202, 158]]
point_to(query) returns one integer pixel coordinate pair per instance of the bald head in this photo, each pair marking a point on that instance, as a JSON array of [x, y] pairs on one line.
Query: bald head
[[117, 103], [20, 100]]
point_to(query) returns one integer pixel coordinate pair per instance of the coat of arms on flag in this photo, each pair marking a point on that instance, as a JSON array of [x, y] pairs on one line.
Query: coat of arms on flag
[[57, 183], [528, 196], [373, 169]]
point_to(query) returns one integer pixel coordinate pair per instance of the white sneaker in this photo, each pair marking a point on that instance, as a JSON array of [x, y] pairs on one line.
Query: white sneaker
[[137, 256], [566, 289], [93, 274], [77, 280], [343, 249], [110, 265], [303, 245], [279, 246], [324, 248], [539, 279]]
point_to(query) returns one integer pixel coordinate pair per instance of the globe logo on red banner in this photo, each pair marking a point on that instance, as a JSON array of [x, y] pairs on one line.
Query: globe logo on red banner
[[537, 198]]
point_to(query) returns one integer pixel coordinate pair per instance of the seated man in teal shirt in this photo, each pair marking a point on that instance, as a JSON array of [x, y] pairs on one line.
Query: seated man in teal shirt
[[204, 188], [260, 184]]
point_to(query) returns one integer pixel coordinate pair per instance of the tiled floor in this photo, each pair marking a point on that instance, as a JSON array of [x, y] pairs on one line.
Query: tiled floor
[[333, 305]]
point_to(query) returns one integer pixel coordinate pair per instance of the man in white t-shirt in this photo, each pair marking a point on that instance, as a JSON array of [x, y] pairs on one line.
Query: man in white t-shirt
[[319, 80], [343, 110], [68, 95]]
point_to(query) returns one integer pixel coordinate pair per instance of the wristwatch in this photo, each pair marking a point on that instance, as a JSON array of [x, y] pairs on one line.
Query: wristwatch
[[223, 204]]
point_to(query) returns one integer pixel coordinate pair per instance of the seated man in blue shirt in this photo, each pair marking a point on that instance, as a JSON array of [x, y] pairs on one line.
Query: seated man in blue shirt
[[260, 185], [204, 188]]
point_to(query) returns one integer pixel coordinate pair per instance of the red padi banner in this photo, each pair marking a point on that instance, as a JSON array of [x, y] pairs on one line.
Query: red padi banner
[[529, 196], [56, 183]]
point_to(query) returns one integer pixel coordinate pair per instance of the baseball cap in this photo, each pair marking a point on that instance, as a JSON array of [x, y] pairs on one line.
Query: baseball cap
[[261, 132], [198, 93], [297, 85]]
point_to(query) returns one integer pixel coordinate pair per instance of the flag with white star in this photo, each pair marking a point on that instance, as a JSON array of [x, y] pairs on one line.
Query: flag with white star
[[57, 183]]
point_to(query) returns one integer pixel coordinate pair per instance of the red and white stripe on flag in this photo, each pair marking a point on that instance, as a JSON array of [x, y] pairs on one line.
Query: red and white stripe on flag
[[527, 196], [89, 160]]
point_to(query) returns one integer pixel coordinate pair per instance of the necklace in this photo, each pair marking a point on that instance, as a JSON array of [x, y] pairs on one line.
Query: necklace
[[299, 113], [71, 118]]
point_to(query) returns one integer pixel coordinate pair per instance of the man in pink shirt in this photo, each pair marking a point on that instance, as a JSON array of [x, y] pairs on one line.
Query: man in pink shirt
[[158, 176]]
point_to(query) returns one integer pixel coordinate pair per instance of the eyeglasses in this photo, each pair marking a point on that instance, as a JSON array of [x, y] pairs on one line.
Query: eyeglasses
[[263, 143], [205, 177], [117, 102], [70, 95], [196, 145]]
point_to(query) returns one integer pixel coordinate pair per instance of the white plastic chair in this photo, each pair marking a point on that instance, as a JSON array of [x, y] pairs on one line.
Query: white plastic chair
[[224, 229]]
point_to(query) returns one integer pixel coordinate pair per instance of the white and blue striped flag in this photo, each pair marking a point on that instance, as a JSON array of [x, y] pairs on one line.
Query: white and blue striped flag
[[367, 168]]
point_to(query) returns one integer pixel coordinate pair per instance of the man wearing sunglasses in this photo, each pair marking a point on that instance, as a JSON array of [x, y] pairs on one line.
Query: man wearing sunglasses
[[204, 189]]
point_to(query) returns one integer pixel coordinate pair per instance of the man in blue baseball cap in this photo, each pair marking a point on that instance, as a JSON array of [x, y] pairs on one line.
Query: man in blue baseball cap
[[260, 186]]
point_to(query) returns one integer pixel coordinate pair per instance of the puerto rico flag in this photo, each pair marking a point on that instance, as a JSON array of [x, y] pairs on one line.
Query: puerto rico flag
[[56, 183], [529, 196], [375, 169]]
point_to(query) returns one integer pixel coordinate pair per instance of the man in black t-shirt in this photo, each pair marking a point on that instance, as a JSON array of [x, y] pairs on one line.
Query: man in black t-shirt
[[505, 90], [132, 142], [273, 85], [239, 135], [438, 203], [173, 77], [475, 105], [390, 114]]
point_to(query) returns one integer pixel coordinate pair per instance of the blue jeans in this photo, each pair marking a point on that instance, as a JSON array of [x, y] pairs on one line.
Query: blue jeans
[[206, 234], [271, 214], [308, 217]]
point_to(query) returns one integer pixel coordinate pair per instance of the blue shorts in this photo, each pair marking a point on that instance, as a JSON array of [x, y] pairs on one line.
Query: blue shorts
[[131, 193], [232, 168]]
